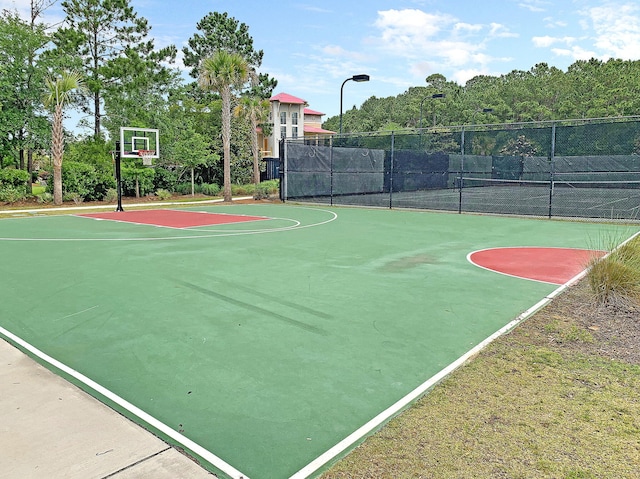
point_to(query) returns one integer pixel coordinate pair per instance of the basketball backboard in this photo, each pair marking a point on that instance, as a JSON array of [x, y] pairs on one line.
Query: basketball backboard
[[133, 140]]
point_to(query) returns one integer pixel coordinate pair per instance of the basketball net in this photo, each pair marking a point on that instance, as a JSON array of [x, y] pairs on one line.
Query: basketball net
[[147, 157]]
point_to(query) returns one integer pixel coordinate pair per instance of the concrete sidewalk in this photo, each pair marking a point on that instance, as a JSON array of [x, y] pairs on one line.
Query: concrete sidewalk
[[50, 429]]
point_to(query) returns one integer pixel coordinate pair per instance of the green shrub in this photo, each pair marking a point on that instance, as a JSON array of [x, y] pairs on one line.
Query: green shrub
[[163, 194], [144, 178], [243, 190], [83, 180], [266, 189], [12, 177], [111, 196], [11, 193], [184, 188], [44, 197], [210, 189], [165, 179], [77, 198]]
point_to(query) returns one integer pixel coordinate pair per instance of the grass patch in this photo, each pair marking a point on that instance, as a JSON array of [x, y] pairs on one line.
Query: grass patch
[[517, 411], [37, 190]]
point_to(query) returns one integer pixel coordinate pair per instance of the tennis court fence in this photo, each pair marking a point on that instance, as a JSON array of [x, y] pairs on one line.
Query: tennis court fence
[[574, 168]]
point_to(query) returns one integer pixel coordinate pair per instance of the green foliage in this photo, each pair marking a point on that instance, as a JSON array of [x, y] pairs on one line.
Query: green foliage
[[84, 180], [163, 194], [77, 198], [265, 189], [11, 194], [210, 189], [11, 177], [142, 177], [165, 178], [22, 71], [520, 146], [588, 89], [111, 196], [44, 197], [94, 151], [107, 40]]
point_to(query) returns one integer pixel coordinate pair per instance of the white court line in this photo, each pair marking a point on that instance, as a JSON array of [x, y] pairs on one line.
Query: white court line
[[139, 413], [414, 395]]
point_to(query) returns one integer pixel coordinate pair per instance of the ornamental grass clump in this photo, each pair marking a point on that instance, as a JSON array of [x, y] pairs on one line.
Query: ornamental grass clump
[[615, 279]]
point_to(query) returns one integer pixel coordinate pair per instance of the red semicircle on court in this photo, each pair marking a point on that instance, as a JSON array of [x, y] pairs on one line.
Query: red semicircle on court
[[547, 265]]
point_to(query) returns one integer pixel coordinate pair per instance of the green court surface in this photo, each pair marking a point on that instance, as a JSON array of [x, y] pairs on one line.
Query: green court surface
[[267, 342]]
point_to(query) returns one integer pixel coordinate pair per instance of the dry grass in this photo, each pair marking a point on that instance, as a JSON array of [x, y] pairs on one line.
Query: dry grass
[[616, 278]]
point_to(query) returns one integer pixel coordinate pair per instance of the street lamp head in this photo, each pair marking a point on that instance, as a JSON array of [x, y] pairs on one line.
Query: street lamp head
[[360, 78], [438, 95]]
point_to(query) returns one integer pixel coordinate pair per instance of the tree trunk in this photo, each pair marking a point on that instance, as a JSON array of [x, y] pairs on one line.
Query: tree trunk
[[57, 145], [96, 115], [226, 142], [193, 183], [255, 150], [30, 170]]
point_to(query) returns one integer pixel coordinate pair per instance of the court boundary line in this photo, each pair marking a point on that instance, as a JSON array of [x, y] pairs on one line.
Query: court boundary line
[[182, 440], [375, 423]]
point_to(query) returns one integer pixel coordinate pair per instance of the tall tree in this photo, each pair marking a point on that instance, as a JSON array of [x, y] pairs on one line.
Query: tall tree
[[23, 71], [58, 93], [107, 39], [222, 32], [255, 110], [223, 72]]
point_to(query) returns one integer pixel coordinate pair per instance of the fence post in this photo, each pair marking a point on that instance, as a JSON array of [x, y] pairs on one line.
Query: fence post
[[331, 173], [552, 160], [391, 168]]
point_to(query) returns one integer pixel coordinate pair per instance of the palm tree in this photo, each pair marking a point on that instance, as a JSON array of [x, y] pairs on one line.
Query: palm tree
[[58, 94], [256, 110], [222, 72]]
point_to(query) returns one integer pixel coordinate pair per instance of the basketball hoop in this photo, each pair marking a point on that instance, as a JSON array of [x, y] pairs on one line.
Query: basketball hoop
[[147, 157]]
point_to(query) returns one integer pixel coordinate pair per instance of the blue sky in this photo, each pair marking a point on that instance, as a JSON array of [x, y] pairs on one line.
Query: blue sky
[[312, 47]]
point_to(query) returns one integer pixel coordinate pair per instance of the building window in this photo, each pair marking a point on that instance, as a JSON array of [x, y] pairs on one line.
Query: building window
[[294, 118], [294, 132], [283, 117], [283, 132]]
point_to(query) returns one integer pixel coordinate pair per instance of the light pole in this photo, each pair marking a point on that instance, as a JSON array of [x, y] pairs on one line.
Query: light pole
[[480, 110], [358, 78], [435, 95]]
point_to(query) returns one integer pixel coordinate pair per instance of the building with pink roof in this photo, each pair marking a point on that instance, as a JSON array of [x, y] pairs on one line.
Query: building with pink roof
[[290, 117]]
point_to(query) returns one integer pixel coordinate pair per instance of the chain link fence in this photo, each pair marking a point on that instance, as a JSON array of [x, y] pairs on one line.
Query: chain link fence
[[578, 168]]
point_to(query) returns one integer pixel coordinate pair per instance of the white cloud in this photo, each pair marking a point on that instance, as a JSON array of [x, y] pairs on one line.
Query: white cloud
[[398, 26], [617, 30], [535, 6], [547, 41], [575, 53], [463, 76], [436, 43], [500, 31]]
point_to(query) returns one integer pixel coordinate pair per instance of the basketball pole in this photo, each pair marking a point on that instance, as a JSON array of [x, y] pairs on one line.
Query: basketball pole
[[118, 177]]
